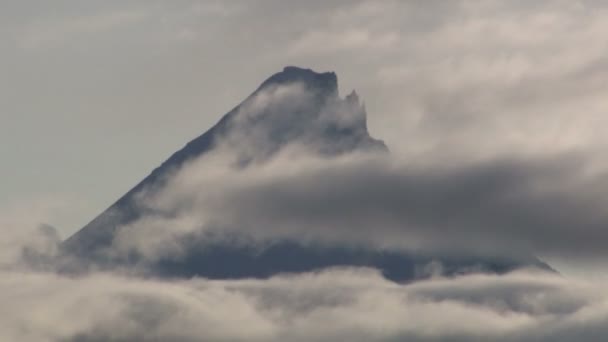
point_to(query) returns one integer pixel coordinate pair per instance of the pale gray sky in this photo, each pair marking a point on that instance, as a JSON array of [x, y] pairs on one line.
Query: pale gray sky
[[94, 95]]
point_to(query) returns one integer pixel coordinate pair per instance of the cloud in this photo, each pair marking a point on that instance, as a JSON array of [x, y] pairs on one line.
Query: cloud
[[338, 304], [503, 207], [26, 237], [470, 78]]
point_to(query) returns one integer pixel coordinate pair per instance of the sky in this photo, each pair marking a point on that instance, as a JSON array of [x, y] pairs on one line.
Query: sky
[[97, 94], [494, 113]]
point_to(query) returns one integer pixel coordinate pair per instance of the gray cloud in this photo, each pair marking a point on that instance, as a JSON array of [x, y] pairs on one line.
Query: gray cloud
[[503, 206]]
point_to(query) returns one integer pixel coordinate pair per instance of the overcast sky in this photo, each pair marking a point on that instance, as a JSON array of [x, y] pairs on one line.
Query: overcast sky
[[94, 95], [494, 112]]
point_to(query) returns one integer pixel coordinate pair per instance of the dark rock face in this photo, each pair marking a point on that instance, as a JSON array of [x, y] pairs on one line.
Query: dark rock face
[[225, 261], [295, 105]]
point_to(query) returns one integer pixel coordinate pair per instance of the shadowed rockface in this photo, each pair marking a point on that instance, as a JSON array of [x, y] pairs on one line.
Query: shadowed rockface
[[318, 119]]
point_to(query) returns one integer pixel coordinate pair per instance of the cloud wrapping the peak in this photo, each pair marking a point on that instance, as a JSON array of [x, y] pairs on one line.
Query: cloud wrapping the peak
[[508, 207]]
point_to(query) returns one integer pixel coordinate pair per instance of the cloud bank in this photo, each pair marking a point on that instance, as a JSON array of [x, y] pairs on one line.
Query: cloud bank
[[336, 304]]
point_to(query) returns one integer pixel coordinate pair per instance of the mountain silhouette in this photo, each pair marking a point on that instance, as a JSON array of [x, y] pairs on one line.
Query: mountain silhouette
[[295, 105]]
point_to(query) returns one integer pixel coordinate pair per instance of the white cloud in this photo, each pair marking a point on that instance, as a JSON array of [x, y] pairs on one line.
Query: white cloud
[[503, 207], [340, 304]]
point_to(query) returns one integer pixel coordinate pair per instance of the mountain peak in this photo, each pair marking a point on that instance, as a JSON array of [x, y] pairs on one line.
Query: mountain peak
[[294, 106], [310, 114], [326, 82]]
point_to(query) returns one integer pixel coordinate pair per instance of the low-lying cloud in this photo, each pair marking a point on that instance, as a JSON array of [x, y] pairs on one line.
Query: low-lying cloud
[[336, 304], [355, 304]]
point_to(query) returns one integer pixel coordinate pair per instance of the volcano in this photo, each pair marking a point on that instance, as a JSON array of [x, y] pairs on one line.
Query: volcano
[[294, 106]]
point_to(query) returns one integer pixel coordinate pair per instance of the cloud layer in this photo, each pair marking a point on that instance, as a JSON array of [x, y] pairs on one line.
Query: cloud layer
[[339, 304]]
